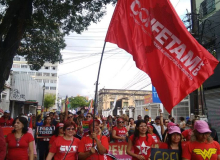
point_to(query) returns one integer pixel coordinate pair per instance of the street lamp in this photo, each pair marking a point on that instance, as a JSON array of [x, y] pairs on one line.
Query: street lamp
[[43, 95]]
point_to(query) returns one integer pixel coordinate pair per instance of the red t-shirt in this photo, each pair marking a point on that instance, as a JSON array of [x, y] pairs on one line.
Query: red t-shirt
[[142, 146], [61, 146], [21, 152], [53, 138], [201, 151], [86, 145], [163, 145], [9, 122], [120, 133], [187, 134], [155, 138]]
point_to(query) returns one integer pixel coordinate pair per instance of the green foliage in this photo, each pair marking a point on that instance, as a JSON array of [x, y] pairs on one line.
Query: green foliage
[[78, 101], [49, 100]]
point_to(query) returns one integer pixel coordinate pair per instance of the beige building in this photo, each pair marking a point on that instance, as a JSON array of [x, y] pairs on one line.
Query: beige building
[[126, 100]]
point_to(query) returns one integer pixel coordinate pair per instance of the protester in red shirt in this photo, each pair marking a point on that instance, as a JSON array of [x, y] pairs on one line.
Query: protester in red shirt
[[187, 133], [3, 145], [173, 140], [141, 141], [201, 145], [19, 141], [119, 132], [86, 149], [57, 133], [6, 120], [65, 147], [153, 135]]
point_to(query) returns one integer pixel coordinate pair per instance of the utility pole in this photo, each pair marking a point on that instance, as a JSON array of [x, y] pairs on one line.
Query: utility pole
[[194, 106], [43, 95]]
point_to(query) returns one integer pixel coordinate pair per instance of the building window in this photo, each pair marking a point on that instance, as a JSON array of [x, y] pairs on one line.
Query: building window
[[47, 88], [53, 74], [206, 7], [14, 72], [24, 66], [23, 72], [125, 104], [46, 74], [38, 74], [52, 88], [46, 67], [53, 81], [54, 68], [46, 81], [16, 66], [16, 59], [39, 80], [31, 73]]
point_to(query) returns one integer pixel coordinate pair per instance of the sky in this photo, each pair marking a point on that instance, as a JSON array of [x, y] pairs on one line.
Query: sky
[[78, 72]]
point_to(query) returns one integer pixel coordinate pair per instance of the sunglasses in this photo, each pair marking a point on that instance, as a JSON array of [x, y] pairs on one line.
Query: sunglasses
[[166, 122], [120, 122], [68, 129]]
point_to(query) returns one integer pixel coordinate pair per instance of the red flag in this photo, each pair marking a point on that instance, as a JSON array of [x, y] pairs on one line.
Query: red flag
[[30, 123], [162, 47]]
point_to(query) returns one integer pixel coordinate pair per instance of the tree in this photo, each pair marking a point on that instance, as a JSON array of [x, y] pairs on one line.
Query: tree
[[49, 100], [78, 101], [36, 29]]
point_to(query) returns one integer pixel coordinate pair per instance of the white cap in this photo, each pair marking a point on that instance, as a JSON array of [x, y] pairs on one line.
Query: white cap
[[6, 111]]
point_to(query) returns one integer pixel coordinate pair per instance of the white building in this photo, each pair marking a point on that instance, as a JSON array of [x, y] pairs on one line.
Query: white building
[[47, 74]]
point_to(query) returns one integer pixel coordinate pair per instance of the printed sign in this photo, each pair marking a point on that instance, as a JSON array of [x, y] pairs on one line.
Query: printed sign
[[119, 151], [45, 132], [164, 154], [155, 96], [148, 98], [7, 130], [85, 125]]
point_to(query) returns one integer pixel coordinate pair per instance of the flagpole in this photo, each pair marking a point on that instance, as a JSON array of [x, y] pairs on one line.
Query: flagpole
[[96, 89]]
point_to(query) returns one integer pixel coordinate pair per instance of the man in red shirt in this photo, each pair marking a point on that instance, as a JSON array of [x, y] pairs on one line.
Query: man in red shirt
[[6, 120]]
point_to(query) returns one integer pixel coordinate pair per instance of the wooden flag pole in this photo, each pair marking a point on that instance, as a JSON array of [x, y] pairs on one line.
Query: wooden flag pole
[[96, 89]]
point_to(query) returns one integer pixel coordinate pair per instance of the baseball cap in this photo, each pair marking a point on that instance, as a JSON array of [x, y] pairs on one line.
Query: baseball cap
[[157, 118], [6, 111], [174, 129], [59, 125], [201, 126], [91, 121], [120, 119]]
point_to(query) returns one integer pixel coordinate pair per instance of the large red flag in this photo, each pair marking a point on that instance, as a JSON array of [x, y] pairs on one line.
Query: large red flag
[[162, 47]]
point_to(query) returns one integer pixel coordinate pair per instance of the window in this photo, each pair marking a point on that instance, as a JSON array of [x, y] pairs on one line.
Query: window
[[53, 74], [52, 88], [16, 59], [53, 68], [46, 74], [24, 66], [14, 72], [46, 87], [125, 104], [53, 81], [46, 81], [16, 66], [38, 74], [46, 67], [31, 73], [39, 80], [206, 7], [24, 72]]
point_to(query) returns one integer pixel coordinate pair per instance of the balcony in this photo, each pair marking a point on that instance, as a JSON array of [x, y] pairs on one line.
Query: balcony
[[206, 7]]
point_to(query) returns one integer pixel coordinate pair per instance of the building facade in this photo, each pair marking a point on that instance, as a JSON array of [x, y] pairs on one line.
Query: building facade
[[209, 33], [48, 74], [126, 100]]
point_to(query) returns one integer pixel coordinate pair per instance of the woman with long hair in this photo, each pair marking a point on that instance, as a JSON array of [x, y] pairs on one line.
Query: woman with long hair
[[131, 127], [39, 121], [141, 141], [20, 141], [173, 140], [65, 147], [86, 149], [201, 145], [119, 132], [43, 143], [57, 133]]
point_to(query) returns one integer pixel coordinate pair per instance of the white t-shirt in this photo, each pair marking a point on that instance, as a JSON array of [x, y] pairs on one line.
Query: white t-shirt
[[158, 128]]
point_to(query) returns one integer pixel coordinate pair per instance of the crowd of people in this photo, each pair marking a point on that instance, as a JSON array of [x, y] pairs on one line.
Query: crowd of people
[[194, 139]]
